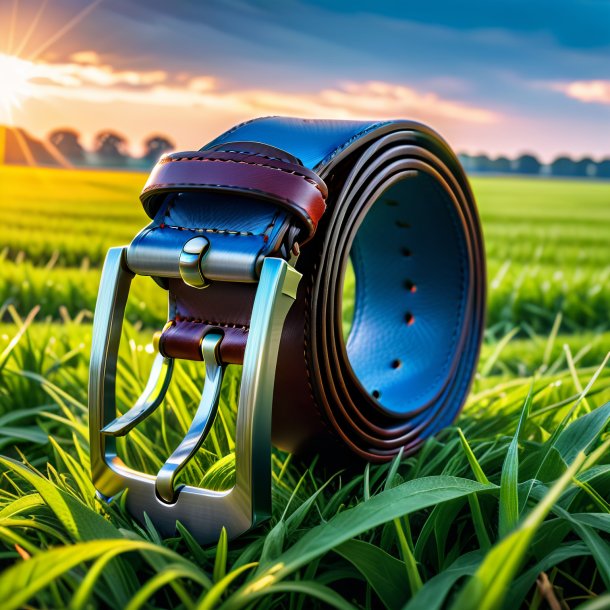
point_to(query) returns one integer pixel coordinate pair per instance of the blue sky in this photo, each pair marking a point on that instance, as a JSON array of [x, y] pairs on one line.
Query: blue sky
[[501, 77]]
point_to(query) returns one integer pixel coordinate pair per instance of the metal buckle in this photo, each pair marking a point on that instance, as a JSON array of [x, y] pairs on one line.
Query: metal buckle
[[204, 512]]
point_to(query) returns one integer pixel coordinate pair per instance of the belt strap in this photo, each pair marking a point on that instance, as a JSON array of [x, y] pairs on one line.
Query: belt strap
[[392, 197]]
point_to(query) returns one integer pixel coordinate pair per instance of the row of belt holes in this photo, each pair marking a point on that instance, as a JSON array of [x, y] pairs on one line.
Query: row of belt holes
[[408, 284]]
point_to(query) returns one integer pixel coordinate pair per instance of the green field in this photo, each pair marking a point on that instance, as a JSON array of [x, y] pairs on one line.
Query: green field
[[472, 521]]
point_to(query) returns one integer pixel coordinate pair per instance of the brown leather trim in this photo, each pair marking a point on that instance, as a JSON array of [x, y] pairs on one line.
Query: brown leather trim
[[183, 340], [222, 305], [251, 158], [291, 186]]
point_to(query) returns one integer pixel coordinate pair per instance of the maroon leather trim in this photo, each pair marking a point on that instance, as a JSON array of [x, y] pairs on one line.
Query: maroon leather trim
[[289, 185], [183, 340], [222, 306], [252, 158]]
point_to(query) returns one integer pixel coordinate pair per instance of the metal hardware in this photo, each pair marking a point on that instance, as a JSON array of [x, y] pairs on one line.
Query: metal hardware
[[150, 399], [202, 422], [204, 512], [229, 257], [295, 252], [191, 257]]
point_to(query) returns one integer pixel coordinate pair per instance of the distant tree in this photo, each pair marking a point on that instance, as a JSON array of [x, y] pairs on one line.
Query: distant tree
[[482, 163], [155, 146], [564, 166], [466, 161], [502, 165], [584, 167], [527, 164], [67, 142], [603, 168], [111, 147]]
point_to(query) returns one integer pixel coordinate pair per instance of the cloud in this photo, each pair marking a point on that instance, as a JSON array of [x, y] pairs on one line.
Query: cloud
[[588, 91], [202, 83], [77, 75], [375, 98], [86, 57], [349, 100]]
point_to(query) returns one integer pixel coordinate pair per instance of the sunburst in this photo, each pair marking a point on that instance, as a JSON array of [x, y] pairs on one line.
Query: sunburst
[[19, 68], [16, 76]]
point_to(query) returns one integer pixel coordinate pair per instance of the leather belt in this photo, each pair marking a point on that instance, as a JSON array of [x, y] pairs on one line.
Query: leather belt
[[251, 237]]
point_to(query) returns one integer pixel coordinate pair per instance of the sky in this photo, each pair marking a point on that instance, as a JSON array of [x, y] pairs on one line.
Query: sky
[[490, 76]]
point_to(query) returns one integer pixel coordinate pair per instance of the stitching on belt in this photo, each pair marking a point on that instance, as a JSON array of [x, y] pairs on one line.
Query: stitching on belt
[[167, 214], [264, 234], [288, 202], [253, 154], [179, 318], [278, 169], [355, 137], [206, 230]]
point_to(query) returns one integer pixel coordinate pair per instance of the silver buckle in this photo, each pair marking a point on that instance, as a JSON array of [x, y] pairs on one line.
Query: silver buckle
[[203, 511]]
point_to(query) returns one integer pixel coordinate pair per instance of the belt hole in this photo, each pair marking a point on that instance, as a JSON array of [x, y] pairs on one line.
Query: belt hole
[[402, 224], [410, 286], [376, 394], [409, 318], [405, 252], [391, 202], [396, 364]]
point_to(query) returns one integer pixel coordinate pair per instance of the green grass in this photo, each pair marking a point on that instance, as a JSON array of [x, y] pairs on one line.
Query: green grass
[[471, 521]]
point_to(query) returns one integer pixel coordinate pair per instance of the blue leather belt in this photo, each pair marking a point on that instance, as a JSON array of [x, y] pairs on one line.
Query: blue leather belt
[[254, 268]]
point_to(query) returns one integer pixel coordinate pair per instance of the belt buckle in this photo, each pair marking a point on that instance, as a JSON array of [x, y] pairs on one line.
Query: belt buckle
[[202, 511]]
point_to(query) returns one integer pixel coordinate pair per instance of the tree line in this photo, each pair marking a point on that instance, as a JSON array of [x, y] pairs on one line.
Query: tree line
[[109, 148], [530, 164]]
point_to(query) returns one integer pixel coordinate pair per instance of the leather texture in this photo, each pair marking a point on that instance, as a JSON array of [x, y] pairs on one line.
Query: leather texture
[[251, 173], [399, 205]]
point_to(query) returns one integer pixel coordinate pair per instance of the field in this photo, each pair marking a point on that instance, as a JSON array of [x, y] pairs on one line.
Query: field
[[508, 508]]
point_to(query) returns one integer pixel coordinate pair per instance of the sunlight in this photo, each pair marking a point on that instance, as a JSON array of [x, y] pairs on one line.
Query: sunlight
[[15, 84]]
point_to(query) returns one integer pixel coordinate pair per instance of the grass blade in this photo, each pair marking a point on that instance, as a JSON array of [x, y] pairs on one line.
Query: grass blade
[[433, 593], [490, 584], [220, 561], [382, 508], [382, 571], [472, 460], [509, 482]]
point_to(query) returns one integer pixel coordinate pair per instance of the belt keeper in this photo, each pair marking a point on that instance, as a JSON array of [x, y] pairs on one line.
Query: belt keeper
[[226, 257]]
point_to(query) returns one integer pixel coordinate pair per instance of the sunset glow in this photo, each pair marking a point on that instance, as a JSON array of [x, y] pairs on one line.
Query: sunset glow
[[194, 71], [15, 78]]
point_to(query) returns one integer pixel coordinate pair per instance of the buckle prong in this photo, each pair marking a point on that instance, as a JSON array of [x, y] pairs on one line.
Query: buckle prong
[[150, 399], [191, 257], [202, 422]]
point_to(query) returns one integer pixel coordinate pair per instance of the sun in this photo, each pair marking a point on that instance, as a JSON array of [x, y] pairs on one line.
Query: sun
[[16, 76]]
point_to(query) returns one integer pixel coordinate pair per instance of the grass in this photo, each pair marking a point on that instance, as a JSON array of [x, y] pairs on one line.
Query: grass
[[516, 492]]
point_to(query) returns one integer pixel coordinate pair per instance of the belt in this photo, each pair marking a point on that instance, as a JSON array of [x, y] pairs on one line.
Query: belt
[[251, 236]]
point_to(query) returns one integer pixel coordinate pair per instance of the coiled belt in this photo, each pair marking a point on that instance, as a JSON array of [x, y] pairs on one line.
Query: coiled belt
[[251, 236]]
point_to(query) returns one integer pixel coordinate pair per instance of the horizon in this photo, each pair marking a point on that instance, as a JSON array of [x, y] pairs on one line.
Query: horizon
[[137, 151], [488, 82]]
